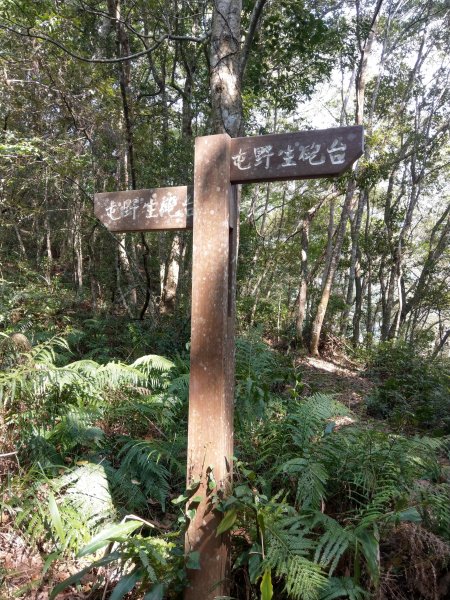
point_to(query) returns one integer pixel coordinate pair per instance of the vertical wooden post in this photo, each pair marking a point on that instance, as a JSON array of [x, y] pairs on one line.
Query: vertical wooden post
[[210, 429]]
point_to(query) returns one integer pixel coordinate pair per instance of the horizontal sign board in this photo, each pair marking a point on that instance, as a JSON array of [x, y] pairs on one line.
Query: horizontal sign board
[[145, 210], [301, 155]]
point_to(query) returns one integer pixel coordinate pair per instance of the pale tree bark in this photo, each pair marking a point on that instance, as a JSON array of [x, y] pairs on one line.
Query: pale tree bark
[[48, 234], [329, 279], [370, 321], [225, 82], [170, 276], [438, 243], [23, 250], [303, 292], [304, 269], [330, 234], [441, 344], [77, 243]]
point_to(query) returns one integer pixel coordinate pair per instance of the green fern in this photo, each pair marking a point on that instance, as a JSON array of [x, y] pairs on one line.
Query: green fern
[[140, 460], [332, 544], [309, 418], [312, 479], [81, 499], [287, 551], [342, 587]]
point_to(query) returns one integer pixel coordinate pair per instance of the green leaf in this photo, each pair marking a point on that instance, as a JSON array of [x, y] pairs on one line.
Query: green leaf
[[266, 585], [156, 593], [370, 549], [115, 533], [180, 499], [227, 522], [254, 563], [56, 518], [262, 525], [126, 584], [193, 560], [190, 513], [76, 578], [410, 514], [49, 560], [193, 486], [242, 490]]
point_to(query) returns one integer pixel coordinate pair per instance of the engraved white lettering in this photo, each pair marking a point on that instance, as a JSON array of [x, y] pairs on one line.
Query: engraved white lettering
[[151, 207], [337, 151], [168, 203], [112, 209], [263, 153], [311, 154], [130, 207], [288, 157], [239, 159]]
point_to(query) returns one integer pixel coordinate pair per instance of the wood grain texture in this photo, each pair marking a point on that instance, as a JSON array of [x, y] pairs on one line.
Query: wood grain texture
[[210, 435]]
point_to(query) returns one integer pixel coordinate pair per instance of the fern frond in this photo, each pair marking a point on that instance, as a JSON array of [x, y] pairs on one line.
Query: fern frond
[[342, 587], [312, 478], [153, 362], [333, 543], [141, 460], [84, 504], [288, 549], [310, 417]]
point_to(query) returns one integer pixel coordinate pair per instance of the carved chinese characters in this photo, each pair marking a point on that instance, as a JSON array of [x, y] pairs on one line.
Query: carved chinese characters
[[302, 155], [285, 156], [143, 210]]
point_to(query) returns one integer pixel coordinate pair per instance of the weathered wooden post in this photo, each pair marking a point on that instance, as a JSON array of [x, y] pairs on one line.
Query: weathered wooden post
[[211, 391], [220, 164]]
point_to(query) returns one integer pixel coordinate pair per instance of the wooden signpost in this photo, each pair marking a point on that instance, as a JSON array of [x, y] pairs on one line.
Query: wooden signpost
[[220, 164]]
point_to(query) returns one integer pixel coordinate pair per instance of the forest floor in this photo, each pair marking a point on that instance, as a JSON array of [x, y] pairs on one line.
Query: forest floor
[[337, 376]]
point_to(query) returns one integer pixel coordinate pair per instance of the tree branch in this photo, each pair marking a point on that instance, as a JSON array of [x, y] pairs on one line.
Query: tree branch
[[41, 36]]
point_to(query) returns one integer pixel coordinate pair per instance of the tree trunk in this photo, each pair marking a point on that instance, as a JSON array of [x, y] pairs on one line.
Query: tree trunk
[[225, 81], [326, 291], [303, 293], [171, 276]]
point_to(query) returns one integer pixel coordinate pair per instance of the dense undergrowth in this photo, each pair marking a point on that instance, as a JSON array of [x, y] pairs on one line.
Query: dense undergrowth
[[323, 506]]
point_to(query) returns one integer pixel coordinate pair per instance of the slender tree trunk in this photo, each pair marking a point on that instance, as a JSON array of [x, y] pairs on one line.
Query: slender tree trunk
[[326, 291], [441, 344], [48, 236], [23, 251], [303, 293], [77, 243], [225, 82], [361, 76], [171, 276], [330, 234]]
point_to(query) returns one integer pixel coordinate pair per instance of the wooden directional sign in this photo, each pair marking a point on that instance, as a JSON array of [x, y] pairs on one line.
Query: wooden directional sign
[[220, 162], [145, 210], [301, 155]]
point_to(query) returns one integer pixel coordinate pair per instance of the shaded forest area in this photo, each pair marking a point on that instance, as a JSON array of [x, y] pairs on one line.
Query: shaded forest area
[[342, 404]]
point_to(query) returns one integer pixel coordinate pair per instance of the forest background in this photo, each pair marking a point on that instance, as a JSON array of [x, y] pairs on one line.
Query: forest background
[[104, 96]]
